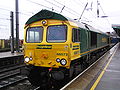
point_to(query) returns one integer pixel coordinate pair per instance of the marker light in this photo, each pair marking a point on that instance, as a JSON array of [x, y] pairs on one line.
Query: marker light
[[44, 22], [31, 58], [63, 62], [57, 60]]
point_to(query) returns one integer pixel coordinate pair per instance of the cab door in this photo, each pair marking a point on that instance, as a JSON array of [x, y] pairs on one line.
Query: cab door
[[75, 44]]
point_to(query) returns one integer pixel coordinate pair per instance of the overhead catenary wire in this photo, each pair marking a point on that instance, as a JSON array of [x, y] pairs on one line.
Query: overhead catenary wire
[[78, 3], [91, 10], [4, 28], [49, 7], [99, 5], [78, 14], [92, 13], [75, 13], [4, 14], [63, 6], [2, 25], [83, 11], [39, 4], [27, 12], [52, 3], [5, 9], [67, 7], [88, 9], [103, 12], [69, 11], [4, 18], [24, 13], [62, 9], [11, 10]]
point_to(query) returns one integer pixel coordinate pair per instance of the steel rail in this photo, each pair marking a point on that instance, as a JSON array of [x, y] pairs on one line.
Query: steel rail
[[10, 76], [12, 80]]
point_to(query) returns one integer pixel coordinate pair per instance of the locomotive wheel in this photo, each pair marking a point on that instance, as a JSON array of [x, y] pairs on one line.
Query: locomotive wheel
[[33, 78], [71, 71], [41, 79]]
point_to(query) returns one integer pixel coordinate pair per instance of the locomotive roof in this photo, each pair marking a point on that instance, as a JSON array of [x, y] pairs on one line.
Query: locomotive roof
[[117, 26], [46, 14], [88, 27], [93, 29]]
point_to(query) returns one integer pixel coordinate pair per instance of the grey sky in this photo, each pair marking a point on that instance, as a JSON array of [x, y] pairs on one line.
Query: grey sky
[[73, 9]]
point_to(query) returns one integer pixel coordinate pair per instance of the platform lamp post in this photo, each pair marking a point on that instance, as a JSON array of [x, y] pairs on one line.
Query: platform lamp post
[[17, 26]]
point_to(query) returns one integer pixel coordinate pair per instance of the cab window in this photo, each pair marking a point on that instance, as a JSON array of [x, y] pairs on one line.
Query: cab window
[[93, 38], [57, 33], [75, 35], [34, 34]]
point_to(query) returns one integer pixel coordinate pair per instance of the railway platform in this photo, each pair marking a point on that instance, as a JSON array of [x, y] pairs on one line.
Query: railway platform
[[109, 78], [103, 75], [9, 54], [8, 59]]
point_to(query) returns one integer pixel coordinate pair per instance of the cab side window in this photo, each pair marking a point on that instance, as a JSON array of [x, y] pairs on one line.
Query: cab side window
[[75, 35]]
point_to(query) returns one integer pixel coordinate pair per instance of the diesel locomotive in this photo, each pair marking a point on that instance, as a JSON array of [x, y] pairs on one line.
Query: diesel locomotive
[[57, 47]]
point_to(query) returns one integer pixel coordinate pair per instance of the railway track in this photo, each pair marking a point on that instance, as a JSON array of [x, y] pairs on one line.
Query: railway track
[[9, 76], [11, 80]]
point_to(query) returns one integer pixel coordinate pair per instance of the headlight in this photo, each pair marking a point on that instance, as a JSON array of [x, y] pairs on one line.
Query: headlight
[[58, 60], [27, 59], [63, 62]]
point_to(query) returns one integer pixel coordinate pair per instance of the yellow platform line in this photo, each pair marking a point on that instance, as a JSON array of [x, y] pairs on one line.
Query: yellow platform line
[[103, 71]]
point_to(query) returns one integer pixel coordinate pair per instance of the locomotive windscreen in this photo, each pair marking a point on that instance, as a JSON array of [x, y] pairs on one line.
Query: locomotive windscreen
[[57, 33]]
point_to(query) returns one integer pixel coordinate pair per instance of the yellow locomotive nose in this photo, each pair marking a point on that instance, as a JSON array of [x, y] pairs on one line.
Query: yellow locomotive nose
[[44, 56]]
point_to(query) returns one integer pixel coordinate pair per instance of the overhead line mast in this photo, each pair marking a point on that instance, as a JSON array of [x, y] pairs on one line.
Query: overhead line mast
[[17, 25], [98, 8]]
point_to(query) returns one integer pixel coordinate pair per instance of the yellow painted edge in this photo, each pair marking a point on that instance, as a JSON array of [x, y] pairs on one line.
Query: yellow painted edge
[[103, 71]]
